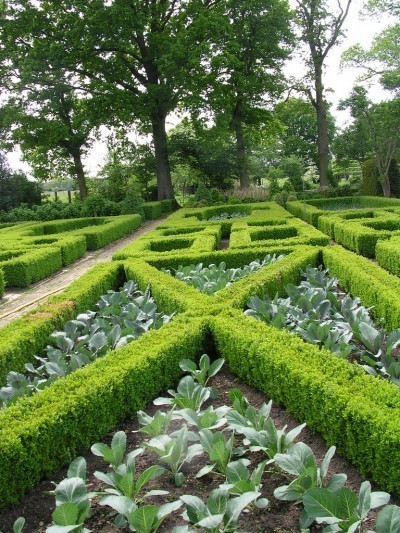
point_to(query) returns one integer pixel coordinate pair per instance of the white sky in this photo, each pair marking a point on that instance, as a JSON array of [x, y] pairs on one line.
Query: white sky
[[339, 81]]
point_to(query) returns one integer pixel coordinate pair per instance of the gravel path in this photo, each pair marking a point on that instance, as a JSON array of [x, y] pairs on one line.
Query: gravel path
[[18, 301]]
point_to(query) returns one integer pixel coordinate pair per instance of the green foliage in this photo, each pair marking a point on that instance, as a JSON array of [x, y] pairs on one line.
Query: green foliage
[[70, 415], [371, 185], [342, 509], [121, 318], [15, 188], [299, 135], [174, 452], [2, 283], [27, 336], [97, 206], [213, 278], [318, 312], [23, 267], [132, 203], [220, 513]]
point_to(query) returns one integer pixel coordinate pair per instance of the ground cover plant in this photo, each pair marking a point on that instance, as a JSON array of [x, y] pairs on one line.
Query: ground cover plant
[[232, 451], [212, 278], [322, 314], [121, 317]]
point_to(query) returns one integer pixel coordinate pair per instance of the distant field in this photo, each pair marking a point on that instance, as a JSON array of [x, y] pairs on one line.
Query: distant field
[[61, 195]]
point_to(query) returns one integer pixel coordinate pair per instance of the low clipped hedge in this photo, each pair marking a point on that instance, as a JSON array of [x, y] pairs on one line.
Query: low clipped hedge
[[24, 337], [357, 412], [42, 432], [175, 295], [256, 214], [206, 239], [112, 229], [362, 235], [153, 210], [23, 267], [292, 231], [326, 223], [2, 283], [363, 278], [387, 254], [311, 210]]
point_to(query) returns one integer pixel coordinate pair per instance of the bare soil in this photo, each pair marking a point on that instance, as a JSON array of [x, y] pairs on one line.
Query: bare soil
[[279, 517]]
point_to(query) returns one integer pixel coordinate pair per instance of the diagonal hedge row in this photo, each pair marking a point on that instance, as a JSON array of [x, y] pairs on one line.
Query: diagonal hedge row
[[24, 337]]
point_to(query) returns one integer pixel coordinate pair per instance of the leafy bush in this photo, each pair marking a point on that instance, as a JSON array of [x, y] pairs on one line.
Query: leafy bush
[[96, 205]]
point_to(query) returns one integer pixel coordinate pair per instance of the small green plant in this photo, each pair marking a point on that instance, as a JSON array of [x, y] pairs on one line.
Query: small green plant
[[344, 510], [145, 519], [19, 525], [219, 514], [73, 502], [300, 461], [189, 395], [219, 450], [175, 451], [240, 480]]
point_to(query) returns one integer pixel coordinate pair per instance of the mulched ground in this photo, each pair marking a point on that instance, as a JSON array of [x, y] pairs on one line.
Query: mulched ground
[[280, 516]]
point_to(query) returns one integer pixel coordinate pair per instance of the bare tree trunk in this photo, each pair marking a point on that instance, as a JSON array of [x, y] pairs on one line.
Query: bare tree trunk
[[383, 169], [164, 182], [322, 127], [240, 147], [80, 174], [386, 185]]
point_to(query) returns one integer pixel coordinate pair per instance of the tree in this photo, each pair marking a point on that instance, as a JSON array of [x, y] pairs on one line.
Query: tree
[[15, 188], [53, 128], [383, 123], [140, 53], [320, 30], [208, 152], [381, 60], [246, 68], [48, 111], [300, 132]]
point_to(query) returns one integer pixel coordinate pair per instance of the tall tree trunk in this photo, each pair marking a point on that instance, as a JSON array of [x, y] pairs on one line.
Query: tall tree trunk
[[80, 174], [237, 119], [383, 169], [322, 128], [386, 185], [164, 182]]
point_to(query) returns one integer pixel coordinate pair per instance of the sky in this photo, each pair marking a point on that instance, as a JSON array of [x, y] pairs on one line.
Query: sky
[[341, 81]]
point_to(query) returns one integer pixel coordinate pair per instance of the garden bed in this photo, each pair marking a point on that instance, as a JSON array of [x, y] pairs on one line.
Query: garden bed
[[281, 516]]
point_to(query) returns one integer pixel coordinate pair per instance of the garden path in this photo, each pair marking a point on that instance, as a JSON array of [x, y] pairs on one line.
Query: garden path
[[18, 301]]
